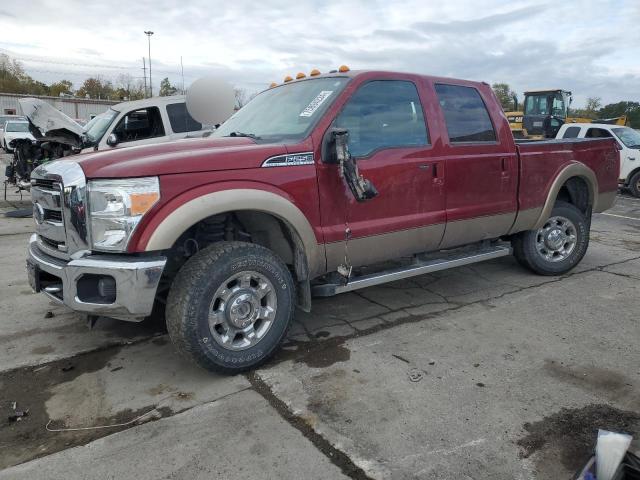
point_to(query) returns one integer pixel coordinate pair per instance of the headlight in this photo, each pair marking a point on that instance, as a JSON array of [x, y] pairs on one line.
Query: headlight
[[116, 207]]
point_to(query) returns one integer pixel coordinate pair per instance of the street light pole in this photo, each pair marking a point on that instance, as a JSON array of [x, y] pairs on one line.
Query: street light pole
[[148, 33]]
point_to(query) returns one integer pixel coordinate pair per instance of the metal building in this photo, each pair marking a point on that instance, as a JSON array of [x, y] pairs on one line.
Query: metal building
[[81, 109]]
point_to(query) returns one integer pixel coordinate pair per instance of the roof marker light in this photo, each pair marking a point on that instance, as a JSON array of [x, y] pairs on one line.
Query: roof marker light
[[273, 84], [314, 73], [300, 75], [343, 69], [288, 78]]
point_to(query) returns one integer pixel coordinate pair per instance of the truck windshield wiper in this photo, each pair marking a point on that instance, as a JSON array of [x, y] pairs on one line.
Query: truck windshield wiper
[[242, 134]]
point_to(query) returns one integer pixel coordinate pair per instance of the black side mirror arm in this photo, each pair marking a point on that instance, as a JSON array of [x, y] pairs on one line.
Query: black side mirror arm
[[361, 188]]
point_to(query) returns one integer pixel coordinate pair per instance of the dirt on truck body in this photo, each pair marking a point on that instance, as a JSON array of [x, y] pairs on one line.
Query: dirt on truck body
[[318, 186]]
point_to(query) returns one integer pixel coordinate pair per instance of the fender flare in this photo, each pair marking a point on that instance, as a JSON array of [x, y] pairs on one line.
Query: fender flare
[[191, 212], [575, 169]]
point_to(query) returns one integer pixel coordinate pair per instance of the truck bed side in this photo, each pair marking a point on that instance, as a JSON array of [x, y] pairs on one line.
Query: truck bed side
[[544, 164]]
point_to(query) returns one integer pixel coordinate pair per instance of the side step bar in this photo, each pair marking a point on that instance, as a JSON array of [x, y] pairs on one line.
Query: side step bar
[[418, 268]]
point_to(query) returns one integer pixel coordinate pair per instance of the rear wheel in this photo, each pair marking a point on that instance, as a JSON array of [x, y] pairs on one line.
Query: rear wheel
[[230, 306], [634, 184], [558, 246]]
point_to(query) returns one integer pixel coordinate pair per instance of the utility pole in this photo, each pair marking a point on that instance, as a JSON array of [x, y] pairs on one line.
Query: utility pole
[[148, 33], [144, 69]]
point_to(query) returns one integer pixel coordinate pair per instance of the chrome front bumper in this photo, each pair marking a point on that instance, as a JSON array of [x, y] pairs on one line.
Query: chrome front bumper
[[136, 281]]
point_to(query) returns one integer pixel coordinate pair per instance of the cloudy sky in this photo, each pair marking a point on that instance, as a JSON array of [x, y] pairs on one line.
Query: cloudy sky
[[589, 47]]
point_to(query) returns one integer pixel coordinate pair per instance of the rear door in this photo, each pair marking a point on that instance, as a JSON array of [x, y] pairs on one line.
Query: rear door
[[388, 135], [181, 122], [481, 165]]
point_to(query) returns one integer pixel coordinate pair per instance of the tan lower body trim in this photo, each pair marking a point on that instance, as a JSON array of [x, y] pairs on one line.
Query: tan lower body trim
[[525, 220], [605, 201], [462, 232], [386, 246]]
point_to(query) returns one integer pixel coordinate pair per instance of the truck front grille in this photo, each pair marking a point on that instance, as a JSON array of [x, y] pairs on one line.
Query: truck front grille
[[59, 195], [53, 215], [47, 211], [45, 184]]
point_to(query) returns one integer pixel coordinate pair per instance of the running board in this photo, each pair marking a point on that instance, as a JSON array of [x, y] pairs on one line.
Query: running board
[[418, 268]]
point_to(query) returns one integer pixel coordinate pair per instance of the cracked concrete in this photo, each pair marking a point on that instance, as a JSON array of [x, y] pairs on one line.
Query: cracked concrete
[[430, 377]]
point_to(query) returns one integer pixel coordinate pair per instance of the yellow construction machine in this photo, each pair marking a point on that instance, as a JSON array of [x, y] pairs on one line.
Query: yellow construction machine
[[544, 112]]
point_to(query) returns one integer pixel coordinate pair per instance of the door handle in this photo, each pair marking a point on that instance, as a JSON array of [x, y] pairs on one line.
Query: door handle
[[631, 158], [424, 166], [504, 164]]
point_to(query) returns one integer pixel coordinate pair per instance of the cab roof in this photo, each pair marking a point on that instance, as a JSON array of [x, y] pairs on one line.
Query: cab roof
[[149, 102]]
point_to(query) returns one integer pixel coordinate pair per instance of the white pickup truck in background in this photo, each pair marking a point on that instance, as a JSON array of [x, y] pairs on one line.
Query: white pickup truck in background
[[127, 124], [628, 141]]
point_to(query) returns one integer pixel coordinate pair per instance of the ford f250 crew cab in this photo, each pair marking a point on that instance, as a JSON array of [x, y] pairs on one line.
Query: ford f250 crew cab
[[313, 188]]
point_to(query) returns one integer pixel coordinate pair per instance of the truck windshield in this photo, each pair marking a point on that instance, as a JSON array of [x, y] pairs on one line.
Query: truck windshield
[[17, 127], [628, 136], [286, 113], [98, 126]]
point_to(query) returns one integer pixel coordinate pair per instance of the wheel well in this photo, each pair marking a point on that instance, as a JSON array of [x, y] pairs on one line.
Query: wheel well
[[627, 180], [250, 226], [576, 192]]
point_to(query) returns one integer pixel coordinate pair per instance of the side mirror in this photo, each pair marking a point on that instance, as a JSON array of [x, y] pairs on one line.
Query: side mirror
[[361, 188], [112, 140]]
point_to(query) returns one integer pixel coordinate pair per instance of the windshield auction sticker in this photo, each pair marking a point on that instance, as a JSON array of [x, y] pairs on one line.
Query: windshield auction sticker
[[315, 103]]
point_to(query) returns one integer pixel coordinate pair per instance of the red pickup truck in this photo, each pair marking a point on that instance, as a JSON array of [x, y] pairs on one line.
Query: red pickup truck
[[294, 195]]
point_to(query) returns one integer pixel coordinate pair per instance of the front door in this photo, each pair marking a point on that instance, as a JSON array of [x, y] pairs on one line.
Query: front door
[[389, 137], [137, 127]]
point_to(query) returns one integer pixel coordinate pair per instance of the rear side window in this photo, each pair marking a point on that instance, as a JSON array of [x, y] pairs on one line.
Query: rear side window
[[180, 119], [383, 114], [598, 133], [571, 132], [465, 113]]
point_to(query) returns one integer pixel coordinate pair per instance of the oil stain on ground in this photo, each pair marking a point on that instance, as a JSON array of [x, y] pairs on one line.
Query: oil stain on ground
[[569, 436], [30, 388]]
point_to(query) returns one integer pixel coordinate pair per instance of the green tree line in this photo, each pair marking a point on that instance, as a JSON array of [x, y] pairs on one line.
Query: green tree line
[[14, 79]]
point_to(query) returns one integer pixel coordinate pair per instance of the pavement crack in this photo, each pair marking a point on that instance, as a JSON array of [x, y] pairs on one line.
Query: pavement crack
[[372, 301], [335, 456]]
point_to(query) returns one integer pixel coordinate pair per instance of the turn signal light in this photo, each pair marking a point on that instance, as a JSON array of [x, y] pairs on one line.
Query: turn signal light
[[300, 75], [314, 73], [288, 78], [343, 69]]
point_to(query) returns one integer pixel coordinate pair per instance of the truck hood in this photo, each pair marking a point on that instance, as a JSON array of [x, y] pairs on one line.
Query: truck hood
[[181, 156], [47, 118]]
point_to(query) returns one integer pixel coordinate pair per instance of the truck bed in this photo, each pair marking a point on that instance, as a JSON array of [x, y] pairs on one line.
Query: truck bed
[[542, 160]]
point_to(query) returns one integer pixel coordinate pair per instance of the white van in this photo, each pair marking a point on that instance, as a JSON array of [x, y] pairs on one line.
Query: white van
[[628, 140]]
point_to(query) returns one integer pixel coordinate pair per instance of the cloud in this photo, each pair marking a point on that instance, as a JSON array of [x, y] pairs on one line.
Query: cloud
[[573, 45]]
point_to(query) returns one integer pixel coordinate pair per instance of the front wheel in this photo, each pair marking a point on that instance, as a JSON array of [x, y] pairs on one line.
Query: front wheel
[[558, 246], [634, 184], [230, 306]]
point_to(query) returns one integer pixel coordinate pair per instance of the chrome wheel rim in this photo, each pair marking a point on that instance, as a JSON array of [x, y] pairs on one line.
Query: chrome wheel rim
[[557, 239], [242, 310]]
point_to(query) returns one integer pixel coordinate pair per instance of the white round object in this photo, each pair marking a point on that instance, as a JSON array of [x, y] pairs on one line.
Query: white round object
[[210, 100]]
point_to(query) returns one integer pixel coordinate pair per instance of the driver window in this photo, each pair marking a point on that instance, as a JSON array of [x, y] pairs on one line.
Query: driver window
[[383, 114], [140, 125]]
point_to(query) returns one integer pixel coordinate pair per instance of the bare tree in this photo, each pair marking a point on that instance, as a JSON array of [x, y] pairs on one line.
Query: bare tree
[[242, 97]]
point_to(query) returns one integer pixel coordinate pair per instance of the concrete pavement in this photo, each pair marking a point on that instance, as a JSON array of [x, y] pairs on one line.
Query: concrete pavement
[[485, 371]]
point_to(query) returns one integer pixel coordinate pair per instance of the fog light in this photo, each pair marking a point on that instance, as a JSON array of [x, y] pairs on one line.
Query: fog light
[[92, 288], [107, 288]]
